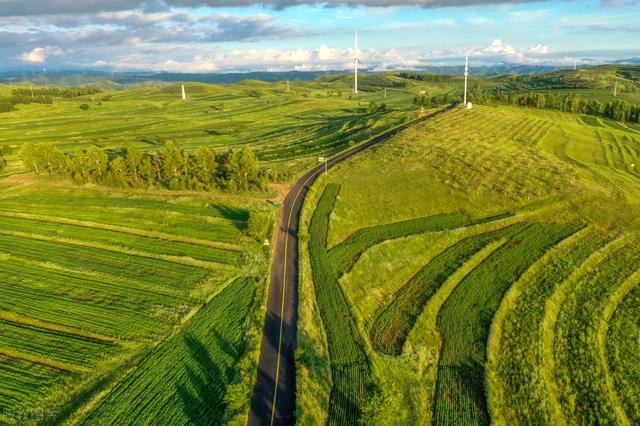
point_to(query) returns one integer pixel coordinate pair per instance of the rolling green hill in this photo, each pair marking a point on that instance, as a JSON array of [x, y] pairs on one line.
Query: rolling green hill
[[489, 319], [434, 257]]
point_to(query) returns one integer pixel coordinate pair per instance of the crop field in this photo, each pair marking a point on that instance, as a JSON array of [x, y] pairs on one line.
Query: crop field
[[350, 367], [94, 281], [524, 310], [196, 365]]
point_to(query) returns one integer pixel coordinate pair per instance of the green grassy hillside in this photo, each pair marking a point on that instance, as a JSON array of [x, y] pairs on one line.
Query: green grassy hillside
[[491, 321], [286, 129]]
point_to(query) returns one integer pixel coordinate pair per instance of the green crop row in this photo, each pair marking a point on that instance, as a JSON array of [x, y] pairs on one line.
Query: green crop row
[[81, 202], [22, 382], [393, 322], [185, 380], [465, 319], [623, 351], [54, 345], [71, 299], [350, 368], [518, 390], [581, 365], [166, 221], [145, 244], [149, 271], [343, 256]]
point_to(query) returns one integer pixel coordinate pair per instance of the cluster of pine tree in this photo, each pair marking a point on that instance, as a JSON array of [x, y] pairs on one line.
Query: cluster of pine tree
[[171, 167], [617, 110]]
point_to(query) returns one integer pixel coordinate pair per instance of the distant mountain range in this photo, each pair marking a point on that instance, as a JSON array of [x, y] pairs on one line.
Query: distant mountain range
[[109, 80]]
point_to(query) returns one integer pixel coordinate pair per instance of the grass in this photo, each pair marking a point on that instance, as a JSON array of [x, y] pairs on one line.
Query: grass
[[622, 353], [110, 272], [394, 321], [185, 380], [465, 319], [85, 294], [343, 256], [581, 365], [516, 386], [310, 120], [350, 368], [458, 324]]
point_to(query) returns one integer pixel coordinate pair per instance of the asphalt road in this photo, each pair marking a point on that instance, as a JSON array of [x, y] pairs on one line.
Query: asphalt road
[[273, 401]]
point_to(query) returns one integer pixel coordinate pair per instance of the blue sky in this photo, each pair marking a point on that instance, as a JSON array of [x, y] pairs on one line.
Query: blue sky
[[210, 36]]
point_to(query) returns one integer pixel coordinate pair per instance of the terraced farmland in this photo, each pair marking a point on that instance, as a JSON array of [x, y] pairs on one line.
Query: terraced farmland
[[92, 283], [285, 128], [516, 318]]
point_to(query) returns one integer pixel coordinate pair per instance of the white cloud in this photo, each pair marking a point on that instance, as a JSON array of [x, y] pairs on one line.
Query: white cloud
[[40, 54], [538, 49], [36, 56], [326, 53], [497, 47]]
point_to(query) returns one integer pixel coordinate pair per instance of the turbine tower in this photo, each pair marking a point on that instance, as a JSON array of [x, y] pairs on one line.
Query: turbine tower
[[575, 64], [356, 61], [184, 94], [466, 76]]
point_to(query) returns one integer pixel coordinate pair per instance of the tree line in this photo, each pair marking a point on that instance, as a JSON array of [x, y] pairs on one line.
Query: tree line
[[63, 92], [424, 101], [42, 95], [171, 167], [617, 110], [432, 78]]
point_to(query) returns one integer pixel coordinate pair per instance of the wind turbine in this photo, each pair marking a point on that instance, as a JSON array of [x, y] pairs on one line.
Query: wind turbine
[[575, 63], [356, 61], [184, 94], [466, 76]]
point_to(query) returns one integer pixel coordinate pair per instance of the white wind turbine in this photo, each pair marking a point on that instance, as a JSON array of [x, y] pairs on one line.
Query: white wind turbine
[[184, 94], [356, 61], [466, 76]]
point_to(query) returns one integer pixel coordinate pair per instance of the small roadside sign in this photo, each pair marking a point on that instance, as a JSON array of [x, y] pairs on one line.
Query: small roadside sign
[[326, 165]]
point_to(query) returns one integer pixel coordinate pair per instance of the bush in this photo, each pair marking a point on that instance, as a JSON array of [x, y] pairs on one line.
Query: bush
[[84, 107], [260, 225]]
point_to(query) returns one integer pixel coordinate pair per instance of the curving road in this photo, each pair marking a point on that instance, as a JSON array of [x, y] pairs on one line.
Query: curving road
[[273, 400]]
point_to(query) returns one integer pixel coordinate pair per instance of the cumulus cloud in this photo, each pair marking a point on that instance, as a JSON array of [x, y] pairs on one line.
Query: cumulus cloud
[[326, 58], [40, 54], [500, 51], [538, 49], [36, 56]]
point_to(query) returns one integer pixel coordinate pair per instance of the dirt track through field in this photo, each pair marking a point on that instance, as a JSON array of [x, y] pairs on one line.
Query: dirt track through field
[[273, 401]]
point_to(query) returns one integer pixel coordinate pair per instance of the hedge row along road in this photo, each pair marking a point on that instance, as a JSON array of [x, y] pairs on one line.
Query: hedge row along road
[[273, 399]]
